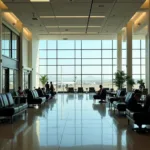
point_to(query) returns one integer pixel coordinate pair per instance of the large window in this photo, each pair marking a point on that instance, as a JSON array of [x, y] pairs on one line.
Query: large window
[[10, 43], [86, 63]]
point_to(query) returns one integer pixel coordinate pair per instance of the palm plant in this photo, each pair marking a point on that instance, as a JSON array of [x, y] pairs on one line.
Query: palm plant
[[43, 79], [130, 81], [120, 78], [141, 82]]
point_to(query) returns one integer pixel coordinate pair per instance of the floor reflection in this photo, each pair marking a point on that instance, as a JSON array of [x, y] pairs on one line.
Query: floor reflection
[[71, 122]]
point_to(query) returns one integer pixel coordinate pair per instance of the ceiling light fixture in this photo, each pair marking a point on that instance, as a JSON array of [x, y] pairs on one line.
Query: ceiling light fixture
[[70, 17], [72, 26], [39, 0]]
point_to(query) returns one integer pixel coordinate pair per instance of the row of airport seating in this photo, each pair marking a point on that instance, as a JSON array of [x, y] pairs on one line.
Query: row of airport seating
[[13, 106], [119, 104]]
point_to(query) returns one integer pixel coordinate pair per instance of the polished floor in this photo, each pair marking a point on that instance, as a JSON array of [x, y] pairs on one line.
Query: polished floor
[[71, 122]]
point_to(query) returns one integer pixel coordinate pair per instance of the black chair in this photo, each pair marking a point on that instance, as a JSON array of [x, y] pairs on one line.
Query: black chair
[[102, 97], [142, 117], [80, 90], [34, 99], [70, 90], [8, 109], [119, 94], [91, 90], [121, 104]]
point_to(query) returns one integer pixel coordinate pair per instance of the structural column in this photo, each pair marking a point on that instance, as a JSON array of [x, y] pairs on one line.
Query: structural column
[[1, 52], [129, 52], [148, 54], [119, 52], [21, 60]]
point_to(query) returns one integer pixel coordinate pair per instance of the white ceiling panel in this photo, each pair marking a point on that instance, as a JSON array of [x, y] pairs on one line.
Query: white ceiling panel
[[117, 13]]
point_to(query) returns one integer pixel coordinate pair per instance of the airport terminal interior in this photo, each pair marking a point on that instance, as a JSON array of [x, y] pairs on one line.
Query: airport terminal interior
[[77, 45]]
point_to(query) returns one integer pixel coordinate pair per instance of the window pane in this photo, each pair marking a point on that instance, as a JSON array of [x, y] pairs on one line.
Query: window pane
[[78, 70], [78, 53], [78, 61], [91, 54], [114, 69], [136, 44], [51, 61], [143, 70], [106, 54], [136, 69], [68, 44], [114, 61], [114, 53], [65, 69], [124, 54], [66, 54], [42, 69], [52, 44], [124, 45], [91, 61], [91, 44], [124, 61], [65, 61], [136, 54], [42, 54], [42, 62], [91, 70], [42, 44], [91, 81], [143, 61], [107, 81], [114, 44], [78, 44], [143, 44], [106, 69], [51, 54], [107, 61], [106, 44], [143, 53], [52, 78], [136, 61], [51, 69], [124, 68]]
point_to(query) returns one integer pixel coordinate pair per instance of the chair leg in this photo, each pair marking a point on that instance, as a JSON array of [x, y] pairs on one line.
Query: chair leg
[[128, 121]]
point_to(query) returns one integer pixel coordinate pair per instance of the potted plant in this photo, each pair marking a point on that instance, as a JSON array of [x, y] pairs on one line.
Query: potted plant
[[120, 78], [43, 79], [130, 81], [141, 83]]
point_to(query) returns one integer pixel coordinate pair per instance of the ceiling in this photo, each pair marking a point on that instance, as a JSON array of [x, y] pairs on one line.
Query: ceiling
[[117, 13]]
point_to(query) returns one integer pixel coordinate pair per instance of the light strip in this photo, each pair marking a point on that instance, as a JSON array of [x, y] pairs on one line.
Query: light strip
[[39, 0], [72, 26], [73, 33], [70, 17]]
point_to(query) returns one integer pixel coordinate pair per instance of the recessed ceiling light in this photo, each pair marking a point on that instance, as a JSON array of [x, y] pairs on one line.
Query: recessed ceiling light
[[40, 0], [72, 26], [70, 17]]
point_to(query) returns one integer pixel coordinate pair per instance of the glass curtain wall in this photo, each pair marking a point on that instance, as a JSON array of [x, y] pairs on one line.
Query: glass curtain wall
[[78, 63], [87, 63]]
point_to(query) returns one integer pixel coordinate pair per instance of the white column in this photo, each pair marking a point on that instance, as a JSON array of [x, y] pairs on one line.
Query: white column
[[119, 51], [129, 52], [1, 74]]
